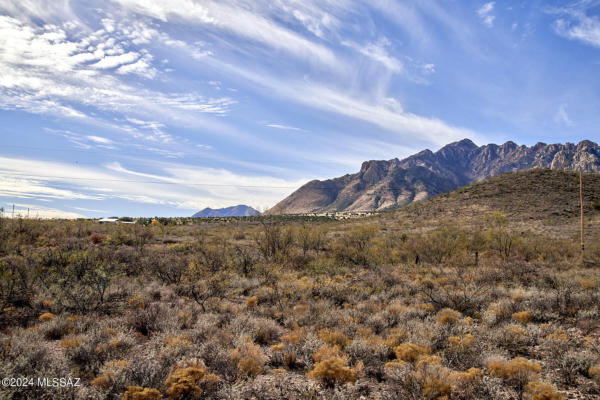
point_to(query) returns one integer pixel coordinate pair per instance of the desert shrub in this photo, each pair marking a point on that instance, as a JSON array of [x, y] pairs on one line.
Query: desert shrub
[[84, 279], [571, 364], [462, 351], [283, 354], [448, 316], [309, 238], [251, 302], [594, 372], [46, 317], [249, 358], [274, 242], [517, 372], [523, 317], [334, 337], [96, 238], [467, 384], [266, 331], [395, 337], [18, 276], [140, 393], [513, 338], [429, 379], [190, 380], [333, 370], [146, 320], [203, 288], [218, 359], [245, 259], [354, 246], [372, 353], [500, 238], [438, 245], [56, 328], [325, 352], [278, 386], [541, 391], [169, 267], [411, 352]]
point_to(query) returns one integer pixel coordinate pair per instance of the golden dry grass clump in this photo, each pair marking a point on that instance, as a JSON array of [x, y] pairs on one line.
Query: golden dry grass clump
[[542, 391], [46, 317], [333, 370], [189, 379], [411, 352], [249, 358], [448, 316], [140, 393], [523, 317], [334, 337]]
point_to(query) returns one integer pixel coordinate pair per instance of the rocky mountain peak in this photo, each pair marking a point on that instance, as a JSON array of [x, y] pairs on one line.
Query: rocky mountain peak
[[383, 184]]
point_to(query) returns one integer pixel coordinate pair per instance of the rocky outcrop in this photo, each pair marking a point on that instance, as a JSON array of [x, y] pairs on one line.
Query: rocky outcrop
[[381, 185]]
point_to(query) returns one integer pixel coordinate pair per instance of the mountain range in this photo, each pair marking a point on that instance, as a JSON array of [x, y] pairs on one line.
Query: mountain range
[[234, 211], [381, 185]]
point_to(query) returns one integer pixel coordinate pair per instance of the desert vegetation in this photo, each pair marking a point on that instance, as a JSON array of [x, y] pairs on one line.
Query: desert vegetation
[[294, 308]]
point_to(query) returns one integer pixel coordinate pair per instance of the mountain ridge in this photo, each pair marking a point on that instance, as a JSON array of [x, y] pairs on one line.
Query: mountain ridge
[[381, 184], [233, 211]]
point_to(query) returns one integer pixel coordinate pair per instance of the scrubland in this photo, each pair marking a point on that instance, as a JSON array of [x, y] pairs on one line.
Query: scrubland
[[374, 308]]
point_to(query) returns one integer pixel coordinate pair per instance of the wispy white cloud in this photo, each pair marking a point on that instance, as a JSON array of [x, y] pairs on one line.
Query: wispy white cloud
[[576, 24], [116, 61], [485, 12], [187, 186], [561, 116], [381, 111], [378, 52], [101, 140], [285, 127], [236, 19], [45, 70]]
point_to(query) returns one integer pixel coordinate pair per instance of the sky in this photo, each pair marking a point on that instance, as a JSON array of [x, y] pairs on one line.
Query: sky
[[165, 107]]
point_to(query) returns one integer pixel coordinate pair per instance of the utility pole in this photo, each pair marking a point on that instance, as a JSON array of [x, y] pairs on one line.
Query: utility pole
[[581, 212]]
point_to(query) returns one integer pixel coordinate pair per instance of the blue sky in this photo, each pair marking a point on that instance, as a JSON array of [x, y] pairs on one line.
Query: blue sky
[[143, 108]]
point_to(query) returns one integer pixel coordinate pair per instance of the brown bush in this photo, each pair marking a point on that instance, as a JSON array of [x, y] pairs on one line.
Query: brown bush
[[47, 317], [542, 391], [523, 317], [333, 370], [96, 238], [140, 393], [448, 316], [411, 352], [594, 372], [517, 372], [190, 381], [334, 337], [249, 358]]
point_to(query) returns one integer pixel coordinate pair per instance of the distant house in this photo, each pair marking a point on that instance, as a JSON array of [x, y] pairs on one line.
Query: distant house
[[109, 220]]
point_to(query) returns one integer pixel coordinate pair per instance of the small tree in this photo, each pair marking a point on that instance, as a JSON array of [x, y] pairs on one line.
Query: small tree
[[500, 238]]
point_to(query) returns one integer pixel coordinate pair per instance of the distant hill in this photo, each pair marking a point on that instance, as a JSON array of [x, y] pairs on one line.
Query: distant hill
[[234, 211], [536, 194], [381, 185]]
